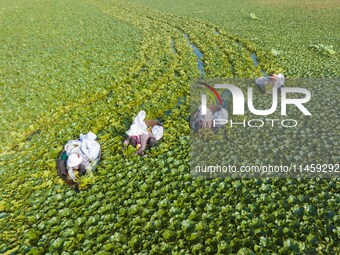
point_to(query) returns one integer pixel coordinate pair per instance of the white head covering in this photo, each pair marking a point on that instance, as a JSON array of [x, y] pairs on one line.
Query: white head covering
[[139, 120], [74, 160], [72, 146], [89, 136], [280, 80], [134, 130], [157, 131], [221, 114], [138, 126], [91, 149]]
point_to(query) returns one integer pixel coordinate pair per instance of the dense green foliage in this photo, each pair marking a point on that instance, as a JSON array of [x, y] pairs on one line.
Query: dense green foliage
[[72, 66], [287, 26], [53, 61]]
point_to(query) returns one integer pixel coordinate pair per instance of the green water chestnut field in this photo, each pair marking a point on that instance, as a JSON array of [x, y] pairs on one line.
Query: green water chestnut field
[[72, 66]]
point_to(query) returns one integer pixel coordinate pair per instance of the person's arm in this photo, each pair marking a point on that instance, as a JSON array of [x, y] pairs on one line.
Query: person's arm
[[195, 115], [71, 174], [127, 140], [82, 170], [143, 141]]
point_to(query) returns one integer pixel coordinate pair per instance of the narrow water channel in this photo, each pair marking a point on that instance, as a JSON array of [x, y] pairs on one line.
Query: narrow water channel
[[199, 56], [254, 58], [172, 45]]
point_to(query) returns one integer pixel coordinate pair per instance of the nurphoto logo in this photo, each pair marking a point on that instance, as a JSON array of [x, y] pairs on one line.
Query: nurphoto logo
[[238, 105]]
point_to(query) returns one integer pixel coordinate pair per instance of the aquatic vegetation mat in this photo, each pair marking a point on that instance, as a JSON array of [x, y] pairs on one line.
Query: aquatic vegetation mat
[[69, 67]]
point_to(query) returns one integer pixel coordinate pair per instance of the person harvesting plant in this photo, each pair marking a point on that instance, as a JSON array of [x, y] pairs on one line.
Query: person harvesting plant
[[143, 134], [266, 83]]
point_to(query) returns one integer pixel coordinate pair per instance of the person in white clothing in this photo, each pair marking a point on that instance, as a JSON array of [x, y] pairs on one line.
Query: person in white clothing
[[79, 156], [139, 135], [266, 83], [200, 120], [78, 162]]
